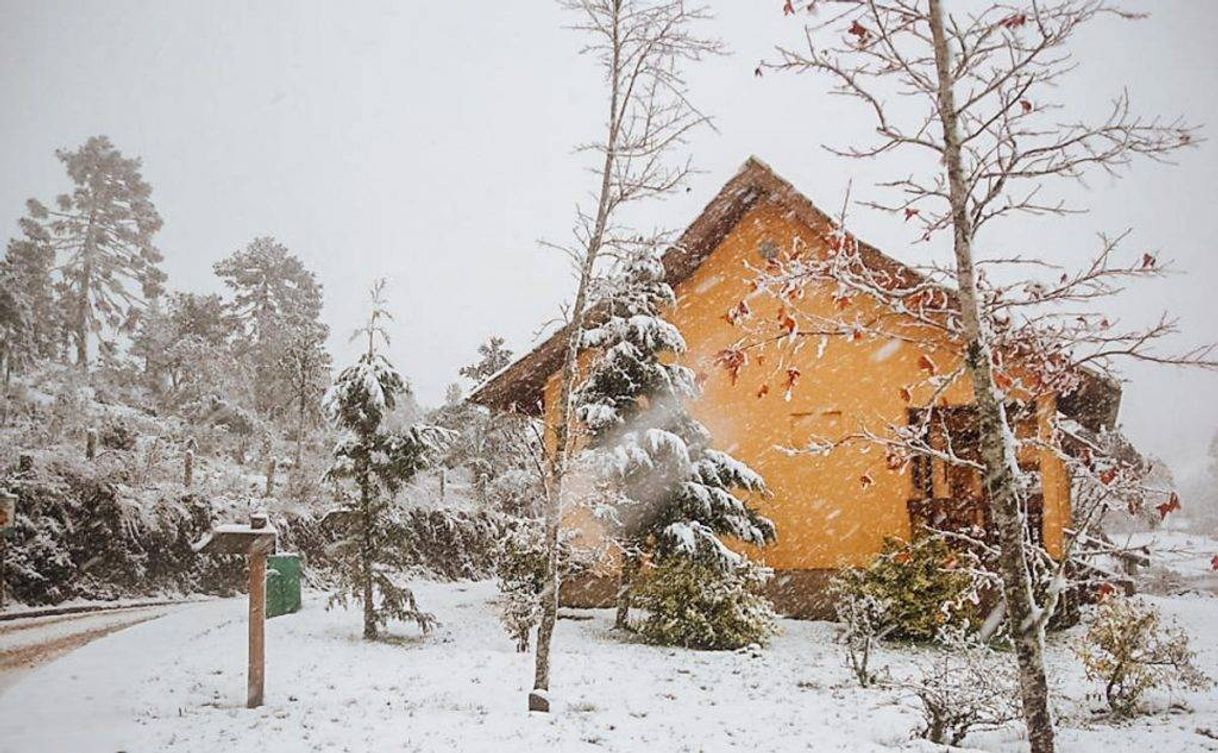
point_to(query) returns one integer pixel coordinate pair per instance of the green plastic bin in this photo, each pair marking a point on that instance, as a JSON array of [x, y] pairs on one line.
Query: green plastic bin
[[282, 584]]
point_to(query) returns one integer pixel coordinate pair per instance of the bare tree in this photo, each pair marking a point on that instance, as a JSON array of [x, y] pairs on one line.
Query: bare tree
[[641, 46], [972, 95]]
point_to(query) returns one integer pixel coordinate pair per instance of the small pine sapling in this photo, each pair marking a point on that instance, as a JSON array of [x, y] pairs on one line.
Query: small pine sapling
[[521, 574], [1130, 651], [377, 462]]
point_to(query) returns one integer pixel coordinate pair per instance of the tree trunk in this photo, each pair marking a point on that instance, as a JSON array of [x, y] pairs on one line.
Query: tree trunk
[[300, 429], [82, 306], [370, 630], [556, 467], [1002, 482], [625, 585]]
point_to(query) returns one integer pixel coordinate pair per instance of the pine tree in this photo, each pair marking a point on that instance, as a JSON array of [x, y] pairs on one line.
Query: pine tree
[[671, 493], [305, 369], [102, 233], [274, 294], [185, 344], [27, 268], [493, 357], [377, 462]]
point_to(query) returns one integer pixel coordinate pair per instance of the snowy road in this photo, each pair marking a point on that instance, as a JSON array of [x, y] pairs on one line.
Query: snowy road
[[29, 642]]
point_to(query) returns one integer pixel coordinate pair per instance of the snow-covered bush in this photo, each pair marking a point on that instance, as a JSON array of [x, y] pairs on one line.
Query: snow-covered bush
[[865, 622], [963, 686], [1130, 651], [116, 433], [693, 604], [910, 590], [82, 532], [521, 571], [521, 575]]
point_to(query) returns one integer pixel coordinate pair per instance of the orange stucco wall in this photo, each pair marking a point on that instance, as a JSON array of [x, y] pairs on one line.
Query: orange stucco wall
[[826, 516]]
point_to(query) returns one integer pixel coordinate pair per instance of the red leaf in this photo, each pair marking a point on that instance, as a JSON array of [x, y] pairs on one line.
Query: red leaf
[[1014, 21], [927, 365], [737, 312], [910, 212], [788, 8], [894, 460], [1002, 381], [763, 390], [1026, 105], [842, 301], [1108, 476], [1104, 590], [1148, 261], [866, 480], [1214, 563], [732, 359], [785, 321], [1171, 505], [859, 31]]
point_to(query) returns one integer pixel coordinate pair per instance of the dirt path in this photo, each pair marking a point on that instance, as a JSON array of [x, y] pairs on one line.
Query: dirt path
[[28, 643]]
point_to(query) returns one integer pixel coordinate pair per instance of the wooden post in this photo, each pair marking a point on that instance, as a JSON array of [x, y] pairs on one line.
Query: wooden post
[[257, 626], [90, 444], [270, 478], [188, 469]]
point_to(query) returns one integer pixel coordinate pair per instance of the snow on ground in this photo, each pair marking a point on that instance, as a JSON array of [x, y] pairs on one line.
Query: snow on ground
[[28, 642], [177, 684]]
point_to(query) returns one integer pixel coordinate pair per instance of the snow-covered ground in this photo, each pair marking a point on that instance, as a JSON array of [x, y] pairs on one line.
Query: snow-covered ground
[[28, 642], [178, 684]]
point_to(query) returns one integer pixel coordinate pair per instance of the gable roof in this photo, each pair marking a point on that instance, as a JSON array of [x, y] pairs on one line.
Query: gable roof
[[520, 386]]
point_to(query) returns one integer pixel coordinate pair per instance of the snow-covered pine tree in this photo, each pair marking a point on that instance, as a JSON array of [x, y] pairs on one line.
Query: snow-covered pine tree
[[377, 462], [274, 299], [669, 492], [103, 234]]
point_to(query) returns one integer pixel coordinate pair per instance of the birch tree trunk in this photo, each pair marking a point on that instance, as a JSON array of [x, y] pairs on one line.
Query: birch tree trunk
[[996, 440]]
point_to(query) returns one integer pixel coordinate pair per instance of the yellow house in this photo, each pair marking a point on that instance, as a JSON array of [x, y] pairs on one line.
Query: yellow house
[[830, 510]]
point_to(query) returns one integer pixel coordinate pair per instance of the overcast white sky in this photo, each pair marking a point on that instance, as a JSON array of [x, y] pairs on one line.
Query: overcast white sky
[[430, 142]]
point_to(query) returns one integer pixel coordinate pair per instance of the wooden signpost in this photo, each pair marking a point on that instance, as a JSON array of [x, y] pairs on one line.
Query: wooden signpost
[[255, 540]]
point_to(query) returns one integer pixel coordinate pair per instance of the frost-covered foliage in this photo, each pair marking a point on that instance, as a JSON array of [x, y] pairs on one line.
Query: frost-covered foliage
[[375, 461], [962, 687], [1129, 650], [666, 490], [82, 531], [521, 573], [913, 591], [693, 604], [499, 452]]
